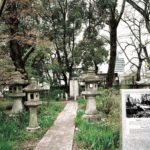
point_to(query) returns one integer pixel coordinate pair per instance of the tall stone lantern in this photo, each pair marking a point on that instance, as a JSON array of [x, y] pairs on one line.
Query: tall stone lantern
[[16, 84], [91, 91], [33, 101]]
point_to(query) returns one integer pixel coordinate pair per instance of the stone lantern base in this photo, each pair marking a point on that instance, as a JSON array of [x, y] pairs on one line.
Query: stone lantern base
[[33, 121], [92, 118], [30, 129], [17, 106], [91, 113]]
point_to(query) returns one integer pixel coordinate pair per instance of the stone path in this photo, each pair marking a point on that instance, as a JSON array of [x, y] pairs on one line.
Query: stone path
[[60, 135]]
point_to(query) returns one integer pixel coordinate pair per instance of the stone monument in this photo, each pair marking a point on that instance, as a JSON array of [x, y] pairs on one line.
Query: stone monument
[[16, 84], [74, 88], [135, 116], [74, 83], [33, 101], [91, 91]]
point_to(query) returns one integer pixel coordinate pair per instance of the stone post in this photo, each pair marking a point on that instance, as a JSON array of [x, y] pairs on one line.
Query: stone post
[[91, 106], [33, 121], [17, 106], [74, 88]]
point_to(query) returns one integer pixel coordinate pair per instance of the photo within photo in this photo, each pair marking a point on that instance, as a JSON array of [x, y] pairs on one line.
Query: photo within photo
[[138, 105]]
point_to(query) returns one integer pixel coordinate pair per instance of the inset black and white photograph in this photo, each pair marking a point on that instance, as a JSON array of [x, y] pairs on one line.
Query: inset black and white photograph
[[138, 105]]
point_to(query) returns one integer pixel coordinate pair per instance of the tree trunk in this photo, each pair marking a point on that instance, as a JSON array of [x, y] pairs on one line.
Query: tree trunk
[[146, 54], [96, 68], [16, 56], [113, 52], [66, 83], [138, 74]]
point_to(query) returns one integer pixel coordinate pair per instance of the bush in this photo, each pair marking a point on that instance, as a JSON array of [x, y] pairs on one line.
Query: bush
[[5, 104], [95, 136], [5, 145], [108, 101], [11, 125], [52, 94], [13, 129], [82, 103], [103, 135]]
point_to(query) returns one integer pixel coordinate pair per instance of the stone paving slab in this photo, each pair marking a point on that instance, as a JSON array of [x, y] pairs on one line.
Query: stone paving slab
[[60, 135]]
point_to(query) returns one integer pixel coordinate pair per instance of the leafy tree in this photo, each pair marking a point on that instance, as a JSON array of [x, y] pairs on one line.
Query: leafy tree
[[41, 62], [6, 69], [92, 47], [17, 17], [63, 28], [113, 19], [92, 52]]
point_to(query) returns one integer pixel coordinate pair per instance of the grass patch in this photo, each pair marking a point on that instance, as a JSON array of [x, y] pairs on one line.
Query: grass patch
[[13, 129], [5, 104], [103, 135]]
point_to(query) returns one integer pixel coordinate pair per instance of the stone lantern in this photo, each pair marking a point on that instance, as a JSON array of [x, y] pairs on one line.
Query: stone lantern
[[16, 84], [91, 91], [33, 101]]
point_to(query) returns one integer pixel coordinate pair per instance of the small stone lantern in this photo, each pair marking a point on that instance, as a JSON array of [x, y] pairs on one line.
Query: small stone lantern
[[16, 84], [91, 91], [33, 101]]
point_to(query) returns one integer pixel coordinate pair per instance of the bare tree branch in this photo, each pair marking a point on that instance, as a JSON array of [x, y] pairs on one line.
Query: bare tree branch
[[123, 49], [122, 10], [144, 12]]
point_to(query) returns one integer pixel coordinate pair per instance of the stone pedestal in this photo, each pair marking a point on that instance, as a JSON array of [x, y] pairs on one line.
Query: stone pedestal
[[17, 106], [91, 113], [33, 121], [91, 106]]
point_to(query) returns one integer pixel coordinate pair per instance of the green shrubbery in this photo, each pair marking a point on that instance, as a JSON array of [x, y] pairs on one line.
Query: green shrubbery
[[13, 129], [96, 136], [5, 104], [5, 145], [52, 94], [105, 134]]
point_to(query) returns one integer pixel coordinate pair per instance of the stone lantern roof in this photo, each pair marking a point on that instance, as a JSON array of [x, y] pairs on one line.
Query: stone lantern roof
[[90, 77], [16, 78], [33, 87]]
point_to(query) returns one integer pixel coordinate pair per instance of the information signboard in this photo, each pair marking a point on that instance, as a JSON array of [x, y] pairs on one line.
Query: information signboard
[[135, 119]]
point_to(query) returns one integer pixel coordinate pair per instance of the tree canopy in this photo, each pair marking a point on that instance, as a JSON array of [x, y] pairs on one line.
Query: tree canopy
[[46, 39]]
